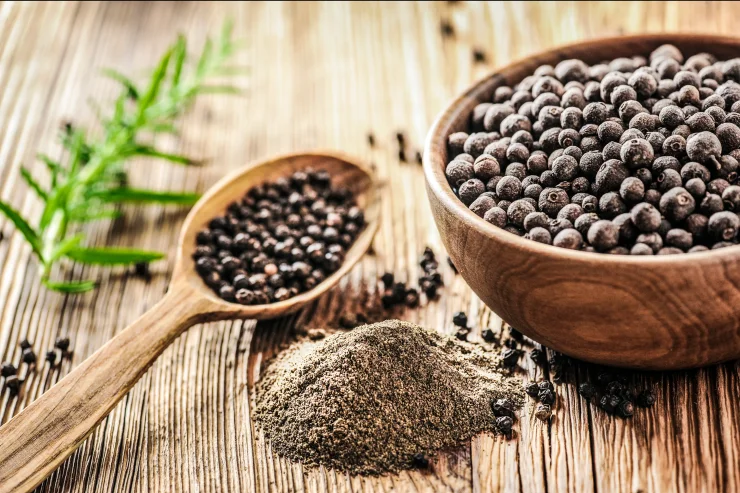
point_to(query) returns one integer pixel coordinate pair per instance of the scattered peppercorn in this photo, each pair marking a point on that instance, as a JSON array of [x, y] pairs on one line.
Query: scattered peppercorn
[[505, 424], [412, 297], [510, 357], [7, 370], [420, 461], [489, 335], [646, 398], [447, 30], [387, 279], [546, 396], [62, 343], [51, 357], [628, 141], [28, 356], [587, 390], [543, 412], [141, 269], [13, 384], [538, 356], [479, 56], [532, 389], [371, 139], [460, 319]]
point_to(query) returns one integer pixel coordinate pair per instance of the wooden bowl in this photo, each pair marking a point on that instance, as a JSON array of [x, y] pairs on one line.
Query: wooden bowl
[[658, 312]]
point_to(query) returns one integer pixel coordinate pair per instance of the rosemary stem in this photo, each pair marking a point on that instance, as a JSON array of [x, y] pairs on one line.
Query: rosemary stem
[[52, 235]]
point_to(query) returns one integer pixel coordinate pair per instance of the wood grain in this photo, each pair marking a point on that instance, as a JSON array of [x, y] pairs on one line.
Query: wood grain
[[323, 75]]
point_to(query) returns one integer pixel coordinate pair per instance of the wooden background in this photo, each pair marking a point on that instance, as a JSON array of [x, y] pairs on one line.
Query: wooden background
[[322, 75]]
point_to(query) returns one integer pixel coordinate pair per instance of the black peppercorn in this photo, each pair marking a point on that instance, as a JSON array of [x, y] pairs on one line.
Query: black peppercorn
[[546, 396], [609, 403], [28, 356], [611, 205], [488, 335], [503, 407], [504, 425], [603, 235], [510, 357], [460, 319], [13, 384], [646, 398], [723, 226], [702, 146], [532, 389], [62, 343], [587, 390], [677, 204], [51, 357], [420, 461], [637, 153], [668, 179], [7, 370], [543, 412], [538, 356]]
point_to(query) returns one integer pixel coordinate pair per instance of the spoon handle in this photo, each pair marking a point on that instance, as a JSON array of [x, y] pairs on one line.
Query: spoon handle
[[37, 440]]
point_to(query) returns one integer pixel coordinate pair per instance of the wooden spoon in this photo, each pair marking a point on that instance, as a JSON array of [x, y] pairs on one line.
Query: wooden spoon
[[37, 440]]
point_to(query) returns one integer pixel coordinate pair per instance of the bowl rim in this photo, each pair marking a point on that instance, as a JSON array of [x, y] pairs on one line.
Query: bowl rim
[[435, 146]]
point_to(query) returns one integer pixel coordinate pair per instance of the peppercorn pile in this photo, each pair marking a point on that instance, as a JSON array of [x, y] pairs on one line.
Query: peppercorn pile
[[283, 238], [382, 397], [635, 156]]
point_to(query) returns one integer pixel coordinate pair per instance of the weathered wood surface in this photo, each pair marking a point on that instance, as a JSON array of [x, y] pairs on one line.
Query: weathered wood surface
[[323, 75]]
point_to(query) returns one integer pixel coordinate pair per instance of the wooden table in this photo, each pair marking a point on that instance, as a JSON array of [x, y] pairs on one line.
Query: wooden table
[[322, 75]]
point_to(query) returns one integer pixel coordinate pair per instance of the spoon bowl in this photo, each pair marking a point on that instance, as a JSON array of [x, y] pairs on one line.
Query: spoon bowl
[[344, 171], [39, 438]]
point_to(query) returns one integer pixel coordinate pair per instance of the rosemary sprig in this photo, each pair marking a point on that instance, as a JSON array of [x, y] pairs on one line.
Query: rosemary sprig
[[89, 182]]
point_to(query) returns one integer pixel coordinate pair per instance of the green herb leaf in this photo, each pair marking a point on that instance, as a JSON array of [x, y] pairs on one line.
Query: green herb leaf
[[22, 225], [85, 217], [54, 168], [143, 150], [179, 52], [70, 286], [218, 90], [64, 247], [28, 177], [112, 256], [133, 92], [151, 93], [226, 31], [235, 70], [204, 58], [149, 196], [162, 128]]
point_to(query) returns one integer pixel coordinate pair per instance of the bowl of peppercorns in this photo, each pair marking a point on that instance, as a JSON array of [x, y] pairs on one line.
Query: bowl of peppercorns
[[589, 195]]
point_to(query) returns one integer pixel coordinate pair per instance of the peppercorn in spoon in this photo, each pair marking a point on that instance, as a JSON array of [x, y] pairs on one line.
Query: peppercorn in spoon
[[38, 439]]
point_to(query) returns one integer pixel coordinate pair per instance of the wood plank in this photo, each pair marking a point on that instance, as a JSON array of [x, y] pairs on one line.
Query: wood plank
[[323, 75]]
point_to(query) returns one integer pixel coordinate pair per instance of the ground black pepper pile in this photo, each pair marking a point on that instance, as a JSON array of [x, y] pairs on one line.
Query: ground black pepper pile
[[634, 156], [281, 239], [382, 397]]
